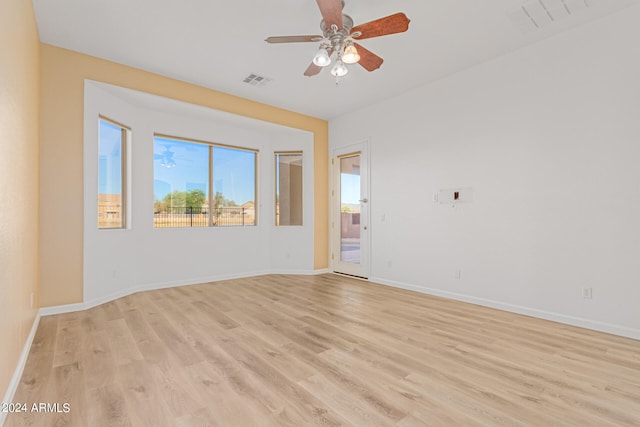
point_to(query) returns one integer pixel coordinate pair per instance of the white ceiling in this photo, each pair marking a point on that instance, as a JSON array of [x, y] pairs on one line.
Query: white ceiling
[[217, 44]]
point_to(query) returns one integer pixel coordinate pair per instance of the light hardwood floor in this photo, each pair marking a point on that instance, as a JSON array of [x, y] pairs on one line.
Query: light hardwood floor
[[322, 350]]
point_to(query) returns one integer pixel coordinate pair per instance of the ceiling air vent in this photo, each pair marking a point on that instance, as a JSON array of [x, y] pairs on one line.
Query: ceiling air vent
[[537, 14], [256, 80]]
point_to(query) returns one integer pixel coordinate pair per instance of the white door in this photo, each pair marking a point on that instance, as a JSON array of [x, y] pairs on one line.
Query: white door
[[350, 211]]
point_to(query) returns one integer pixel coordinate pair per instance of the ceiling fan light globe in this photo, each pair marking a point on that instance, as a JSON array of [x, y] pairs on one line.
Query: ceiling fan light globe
[[322, 58], [351, 55], [339, 70]]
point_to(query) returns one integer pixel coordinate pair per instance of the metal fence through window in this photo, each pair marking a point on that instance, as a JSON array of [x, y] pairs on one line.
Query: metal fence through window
[[173, 217]]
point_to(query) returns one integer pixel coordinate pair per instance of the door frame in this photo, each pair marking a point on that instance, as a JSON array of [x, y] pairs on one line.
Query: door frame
[[337, 266]]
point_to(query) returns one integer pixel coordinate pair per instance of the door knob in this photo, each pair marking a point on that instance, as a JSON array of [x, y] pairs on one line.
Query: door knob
[[365, 200]]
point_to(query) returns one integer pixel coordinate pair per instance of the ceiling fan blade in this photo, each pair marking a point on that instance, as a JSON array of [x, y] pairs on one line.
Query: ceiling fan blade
[[369, 60], [312, 70], [331, 11], [293, 39], [392, 24]]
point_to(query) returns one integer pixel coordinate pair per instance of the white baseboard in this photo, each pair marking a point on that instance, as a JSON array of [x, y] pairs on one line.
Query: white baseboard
[[69, 308], [22, 361], [301, 272], [620, 330], [528, 311]]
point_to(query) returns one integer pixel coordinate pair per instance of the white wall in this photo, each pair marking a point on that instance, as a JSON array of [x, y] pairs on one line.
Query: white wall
[[117, 262], [548, 137]]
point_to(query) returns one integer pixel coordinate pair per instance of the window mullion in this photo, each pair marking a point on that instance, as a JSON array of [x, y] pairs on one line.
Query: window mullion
[[123, 166], [211, 189]]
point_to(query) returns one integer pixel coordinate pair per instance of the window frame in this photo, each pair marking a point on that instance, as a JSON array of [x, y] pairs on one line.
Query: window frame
[[125, 136], [276, 177], [211, 195]]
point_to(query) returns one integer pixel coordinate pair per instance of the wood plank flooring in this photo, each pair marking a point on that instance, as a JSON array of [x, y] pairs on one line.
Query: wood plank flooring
[[321, 350]]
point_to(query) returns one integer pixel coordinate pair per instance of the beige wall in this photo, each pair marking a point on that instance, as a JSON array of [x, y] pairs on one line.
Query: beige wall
[[18, 180], [62, 82]]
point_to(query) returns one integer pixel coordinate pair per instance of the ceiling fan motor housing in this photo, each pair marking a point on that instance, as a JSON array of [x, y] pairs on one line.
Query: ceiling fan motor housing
[[335, 36]]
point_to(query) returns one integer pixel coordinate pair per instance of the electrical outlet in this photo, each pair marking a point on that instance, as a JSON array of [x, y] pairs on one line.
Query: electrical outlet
[[587, 293]]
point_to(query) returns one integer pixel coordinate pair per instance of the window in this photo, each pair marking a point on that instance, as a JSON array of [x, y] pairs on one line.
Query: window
[[289, 188], [199, 184], [112, 148]]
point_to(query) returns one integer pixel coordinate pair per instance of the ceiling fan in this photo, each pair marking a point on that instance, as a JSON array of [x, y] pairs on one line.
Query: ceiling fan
[[166, 157], [339, 36]]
